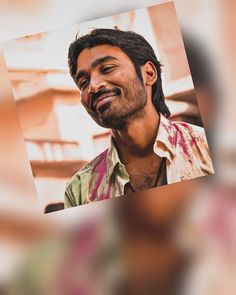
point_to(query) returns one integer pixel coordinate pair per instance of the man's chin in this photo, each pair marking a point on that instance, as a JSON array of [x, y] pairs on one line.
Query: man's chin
[[103, 108], [107, 116], [112, 121]]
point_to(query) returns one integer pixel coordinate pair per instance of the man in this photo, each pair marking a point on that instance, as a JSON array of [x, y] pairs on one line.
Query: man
[[119, 78]]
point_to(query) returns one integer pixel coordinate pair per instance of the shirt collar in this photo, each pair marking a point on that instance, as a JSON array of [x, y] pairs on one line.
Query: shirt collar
[[113, 160], [166, 139], [164, 146]]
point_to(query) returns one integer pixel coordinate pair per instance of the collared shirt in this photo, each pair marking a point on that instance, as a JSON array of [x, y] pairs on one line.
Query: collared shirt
[[183, 145]]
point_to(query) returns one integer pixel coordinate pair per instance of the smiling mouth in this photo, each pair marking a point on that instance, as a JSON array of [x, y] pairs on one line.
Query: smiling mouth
[[100, 101]]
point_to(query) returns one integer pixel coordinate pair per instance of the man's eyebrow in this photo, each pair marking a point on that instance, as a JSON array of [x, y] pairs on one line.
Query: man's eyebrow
[[97, 62], [102, 60]]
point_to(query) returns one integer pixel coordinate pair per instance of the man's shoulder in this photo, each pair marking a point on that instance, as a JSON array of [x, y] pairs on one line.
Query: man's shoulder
[[180, 131], [187, 127], [191, 142], [76, 186], [189, 131], [189, 138], [89, 167]]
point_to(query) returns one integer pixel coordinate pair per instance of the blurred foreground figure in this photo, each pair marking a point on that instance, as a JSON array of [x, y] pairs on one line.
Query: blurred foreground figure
[[130, 249], [209, 236]]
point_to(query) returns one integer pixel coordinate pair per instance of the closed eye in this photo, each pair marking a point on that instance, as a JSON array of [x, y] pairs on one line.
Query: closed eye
[[108, 69], [83, 83]]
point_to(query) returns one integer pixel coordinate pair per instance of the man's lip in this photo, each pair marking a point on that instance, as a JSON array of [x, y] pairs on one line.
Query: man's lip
[[101, 98]]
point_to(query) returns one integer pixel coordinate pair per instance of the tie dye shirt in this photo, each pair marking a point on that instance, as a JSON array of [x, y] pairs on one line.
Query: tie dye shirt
[[183, 145]]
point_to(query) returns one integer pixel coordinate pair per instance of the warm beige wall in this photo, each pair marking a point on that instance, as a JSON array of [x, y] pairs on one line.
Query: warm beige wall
[[169, 41], [38, 118]]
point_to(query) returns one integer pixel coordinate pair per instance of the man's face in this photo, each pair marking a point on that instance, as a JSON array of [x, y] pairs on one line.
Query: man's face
[[110, 89]]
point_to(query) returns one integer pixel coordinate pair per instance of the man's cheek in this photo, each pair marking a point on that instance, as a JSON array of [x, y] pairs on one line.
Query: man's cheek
[[85, 103], [118, 77]]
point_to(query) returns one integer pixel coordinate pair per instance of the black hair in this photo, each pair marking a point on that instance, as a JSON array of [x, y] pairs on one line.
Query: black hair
[[136, 48]]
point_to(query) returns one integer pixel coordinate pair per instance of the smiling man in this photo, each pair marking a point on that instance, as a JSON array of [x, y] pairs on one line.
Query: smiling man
[[119, 78]]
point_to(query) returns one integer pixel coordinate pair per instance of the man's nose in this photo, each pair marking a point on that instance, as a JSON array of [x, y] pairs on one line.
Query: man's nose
[[96, 84]]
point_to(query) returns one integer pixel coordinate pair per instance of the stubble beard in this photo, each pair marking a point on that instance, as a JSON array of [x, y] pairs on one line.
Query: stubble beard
[[118, 113]]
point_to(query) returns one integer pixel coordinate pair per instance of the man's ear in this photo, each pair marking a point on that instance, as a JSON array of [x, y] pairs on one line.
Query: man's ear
[[149, 73]]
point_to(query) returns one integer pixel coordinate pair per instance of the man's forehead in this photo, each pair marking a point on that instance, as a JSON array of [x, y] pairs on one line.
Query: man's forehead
[[89, 55]]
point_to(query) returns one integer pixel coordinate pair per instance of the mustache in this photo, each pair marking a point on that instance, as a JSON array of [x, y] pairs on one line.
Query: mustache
[[95, 96]]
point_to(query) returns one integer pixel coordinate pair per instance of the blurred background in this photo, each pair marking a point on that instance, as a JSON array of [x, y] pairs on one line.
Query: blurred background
[[60, 136], [179, 239]]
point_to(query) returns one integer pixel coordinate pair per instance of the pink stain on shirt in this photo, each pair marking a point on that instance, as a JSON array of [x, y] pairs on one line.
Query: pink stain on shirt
[[181, 139], [172, 138], [100, 170], [108, 194], [193, 141]]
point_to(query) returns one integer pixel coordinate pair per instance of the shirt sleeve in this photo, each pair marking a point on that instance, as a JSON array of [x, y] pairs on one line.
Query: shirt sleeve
[[203, 152], [72, 195], [207, 165]]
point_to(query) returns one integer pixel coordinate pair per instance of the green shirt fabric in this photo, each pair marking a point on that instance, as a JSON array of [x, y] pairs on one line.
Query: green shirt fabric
[[183, 145]]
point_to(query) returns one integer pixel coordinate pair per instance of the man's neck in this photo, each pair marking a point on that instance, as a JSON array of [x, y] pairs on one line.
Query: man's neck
[[137, 138]]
